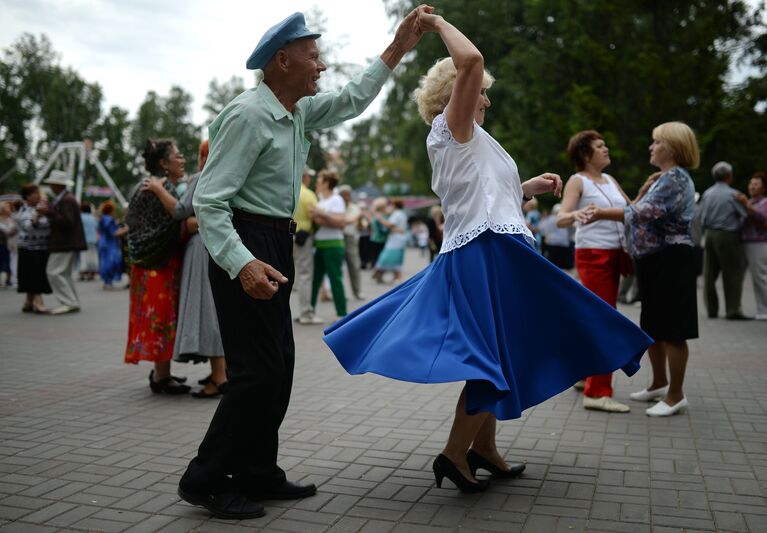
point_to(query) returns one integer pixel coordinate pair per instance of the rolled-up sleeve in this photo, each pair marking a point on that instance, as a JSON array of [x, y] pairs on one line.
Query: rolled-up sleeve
[[328, 109], [657, 203], [233, 153]]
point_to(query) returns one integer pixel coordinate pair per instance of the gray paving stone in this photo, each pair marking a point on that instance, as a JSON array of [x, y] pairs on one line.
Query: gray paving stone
[[22, 527], [111, 459]]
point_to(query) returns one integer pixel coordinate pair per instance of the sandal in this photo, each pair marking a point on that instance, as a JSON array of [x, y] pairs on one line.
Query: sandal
[[202, 394], [167, 385]]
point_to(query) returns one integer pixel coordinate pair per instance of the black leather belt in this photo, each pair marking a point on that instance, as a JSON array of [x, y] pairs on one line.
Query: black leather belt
[[281, 224]]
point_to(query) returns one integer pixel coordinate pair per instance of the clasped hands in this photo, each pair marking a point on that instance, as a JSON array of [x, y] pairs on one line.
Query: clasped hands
[[592, 212], [419, 21]]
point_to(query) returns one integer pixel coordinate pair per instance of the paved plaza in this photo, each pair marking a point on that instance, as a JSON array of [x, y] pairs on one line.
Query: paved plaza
[[85, 445]]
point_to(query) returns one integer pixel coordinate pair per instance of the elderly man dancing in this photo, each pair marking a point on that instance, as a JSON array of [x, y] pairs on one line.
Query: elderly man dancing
[[244, 202]]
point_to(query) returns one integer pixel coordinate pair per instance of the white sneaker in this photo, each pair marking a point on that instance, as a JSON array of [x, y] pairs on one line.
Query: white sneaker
[[647, 395], [64, 309], [760, 317], [312, 320], [663, 409], [605, 403]]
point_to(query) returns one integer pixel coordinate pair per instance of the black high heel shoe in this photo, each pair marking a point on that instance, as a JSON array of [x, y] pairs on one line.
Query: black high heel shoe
[[476, 461], [444, 468], [167, 385]]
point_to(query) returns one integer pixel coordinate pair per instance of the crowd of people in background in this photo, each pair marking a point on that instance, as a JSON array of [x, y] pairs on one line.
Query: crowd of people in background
[[45, 242], [729, 229]]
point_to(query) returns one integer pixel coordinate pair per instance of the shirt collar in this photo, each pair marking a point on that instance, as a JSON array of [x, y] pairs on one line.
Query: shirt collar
[[59, 196], [276, 108]]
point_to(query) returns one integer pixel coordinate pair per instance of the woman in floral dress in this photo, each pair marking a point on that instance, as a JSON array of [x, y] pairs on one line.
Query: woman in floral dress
[[155, 246]]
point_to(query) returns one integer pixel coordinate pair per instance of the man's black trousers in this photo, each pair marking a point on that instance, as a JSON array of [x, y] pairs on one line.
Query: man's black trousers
[[257, 335]]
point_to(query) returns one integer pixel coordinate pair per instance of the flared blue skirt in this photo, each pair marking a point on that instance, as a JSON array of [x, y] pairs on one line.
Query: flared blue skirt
[[493, 313]]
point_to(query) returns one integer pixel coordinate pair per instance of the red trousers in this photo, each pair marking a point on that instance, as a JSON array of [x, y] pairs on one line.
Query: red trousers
[[599, 272]]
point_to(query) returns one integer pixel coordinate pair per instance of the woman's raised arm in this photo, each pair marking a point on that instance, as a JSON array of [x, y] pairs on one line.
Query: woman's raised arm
[[469, 63]]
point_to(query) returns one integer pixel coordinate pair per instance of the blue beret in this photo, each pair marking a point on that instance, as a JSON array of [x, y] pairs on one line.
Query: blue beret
[[290, 29]]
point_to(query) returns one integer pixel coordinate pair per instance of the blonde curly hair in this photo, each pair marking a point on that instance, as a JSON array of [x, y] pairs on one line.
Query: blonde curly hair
[[434, 89]]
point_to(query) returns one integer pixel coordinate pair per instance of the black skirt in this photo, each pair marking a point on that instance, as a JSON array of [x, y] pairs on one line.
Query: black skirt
[[667, 283], [31, 271]]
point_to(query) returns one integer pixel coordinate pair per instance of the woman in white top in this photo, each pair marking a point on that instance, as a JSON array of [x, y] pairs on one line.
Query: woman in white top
[[599, 255], [489, 310], [393, 254], [330, 215]]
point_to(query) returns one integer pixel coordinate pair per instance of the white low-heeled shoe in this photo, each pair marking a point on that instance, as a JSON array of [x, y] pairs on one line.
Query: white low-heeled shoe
[[647, 395], [663, 409]]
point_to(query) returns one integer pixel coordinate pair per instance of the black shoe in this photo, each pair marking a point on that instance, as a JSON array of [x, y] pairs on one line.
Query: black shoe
[[444, 468], [180, 379], [739, 316], [476, 462], [167, 385], [287, 490], [226, 505], [204, 381]]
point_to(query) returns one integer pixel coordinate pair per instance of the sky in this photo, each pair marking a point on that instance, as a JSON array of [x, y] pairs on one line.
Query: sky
[[132, 46]]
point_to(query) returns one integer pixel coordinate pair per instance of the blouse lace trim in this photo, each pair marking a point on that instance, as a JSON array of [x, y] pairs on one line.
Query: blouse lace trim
[[466, 237], [440, 129]]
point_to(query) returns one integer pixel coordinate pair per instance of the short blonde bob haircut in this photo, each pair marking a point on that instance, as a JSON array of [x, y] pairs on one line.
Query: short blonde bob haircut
[[680, 138], [434, 89]]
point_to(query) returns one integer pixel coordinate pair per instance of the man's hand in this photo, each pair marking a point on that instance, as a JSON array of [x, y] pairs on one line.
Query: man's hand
[[406, 37], [260, 280], [409, 31], [546, 182]]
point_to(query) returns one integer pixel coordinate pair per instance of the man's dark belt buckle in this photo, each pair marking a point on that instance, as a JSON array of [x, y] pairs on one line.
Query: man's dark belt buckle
[[292, 227]]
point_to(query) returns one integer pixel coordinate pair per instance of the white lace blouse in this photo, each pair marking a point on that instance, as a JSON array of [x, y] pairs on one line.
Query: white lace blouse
[[478, 184]]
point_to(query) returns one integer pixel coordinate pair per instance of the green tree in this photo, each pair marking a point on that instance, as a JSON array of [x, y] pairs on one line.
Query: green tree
[[220, 94], [112, 138], [43, 103], [69, 107], [620, 67]]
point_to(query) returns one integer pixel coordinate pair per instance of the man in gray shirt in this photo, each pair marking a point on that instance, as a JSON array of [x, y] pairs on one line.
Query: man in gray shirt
[[721, 217]]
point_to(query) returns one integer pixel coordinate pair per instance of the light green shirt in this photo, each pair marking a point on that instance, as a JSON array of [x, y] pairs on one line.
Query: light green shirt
[[257, 155]]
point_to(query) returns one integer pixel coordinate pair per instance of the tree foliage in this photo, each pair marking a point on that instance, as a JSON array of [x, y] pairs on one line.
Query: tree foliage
[[220, 94], [620, 67], [42, 103], [112, 138]]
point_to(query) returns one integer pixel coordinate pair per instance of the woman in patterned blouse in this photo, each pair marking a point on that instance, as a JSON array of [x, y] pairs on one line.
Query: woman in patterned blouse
[[658, 231], [754, 237]]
